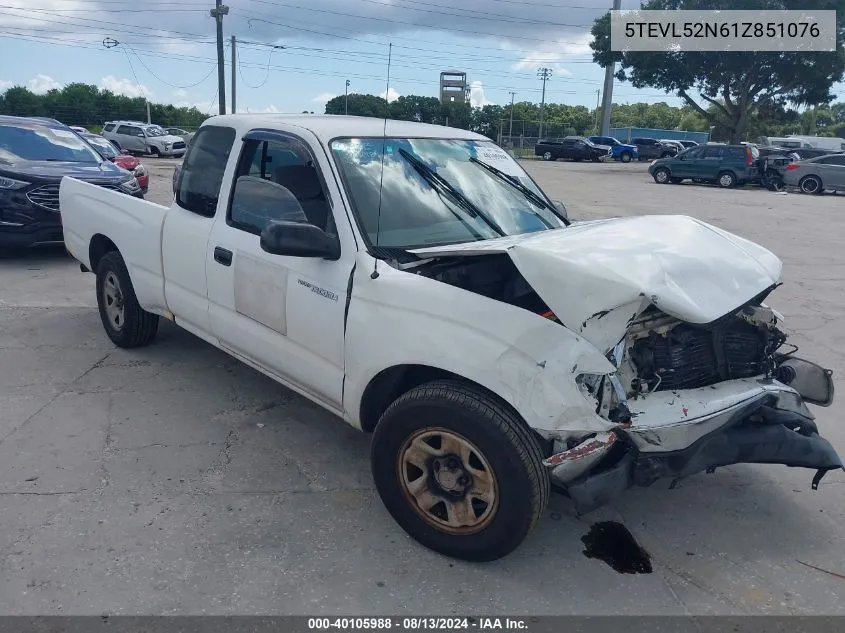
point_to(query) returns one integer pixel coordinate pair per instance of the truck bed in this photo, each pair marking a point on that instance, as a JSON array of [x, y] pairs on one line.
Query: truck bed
[[132, 224]]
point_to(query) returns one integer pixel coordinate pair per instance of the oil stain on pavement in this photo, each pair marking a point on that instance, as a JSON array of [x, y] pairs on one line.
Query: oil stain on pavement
[[612, 543]]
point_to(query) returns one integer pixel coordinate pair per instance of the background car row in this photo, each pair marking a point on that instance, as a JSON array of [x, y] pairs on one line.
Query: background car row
[[35, 154], [812, 170]]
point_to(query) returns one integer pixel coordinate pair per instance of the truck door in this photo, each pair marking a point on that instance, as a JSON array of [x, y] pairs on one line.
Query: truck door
[[187, 228], [286, 314]]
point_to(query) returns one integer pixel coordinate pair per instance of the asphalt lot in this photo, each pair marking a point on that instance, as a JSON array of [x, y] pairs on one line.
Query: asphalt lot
[[174, 480]]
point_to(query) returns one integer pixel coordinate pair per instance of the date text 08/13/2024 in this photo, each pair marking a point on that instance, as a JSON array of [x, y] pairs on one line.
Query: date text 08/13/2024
[[417, 623]]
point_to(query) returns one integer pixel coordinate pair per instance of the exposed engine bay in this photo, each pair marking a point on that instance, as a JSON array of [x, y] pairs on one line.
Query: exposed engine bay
[[492, 276], [662, 353]]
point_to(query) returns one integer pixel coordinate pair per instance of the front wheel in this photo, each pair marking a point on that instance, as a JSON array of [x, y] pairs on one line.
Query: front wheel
[[625, 157], [126, 323], [548, 156], [661, 176], [459, 471]]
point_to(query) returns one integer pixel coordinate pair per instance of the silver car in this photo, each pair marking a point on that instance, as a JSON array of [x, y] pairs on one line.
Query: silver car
[[183, 134], [816, 175]]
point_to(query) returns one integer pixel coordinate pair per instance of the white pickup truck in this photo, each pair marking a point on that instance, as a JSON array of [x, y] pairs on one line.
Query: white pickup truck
[[415, 281]]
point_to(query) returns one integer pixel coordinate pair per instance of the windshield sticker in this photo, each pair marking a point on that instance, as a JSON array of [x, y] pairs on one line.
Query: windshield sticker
[[499, 158]]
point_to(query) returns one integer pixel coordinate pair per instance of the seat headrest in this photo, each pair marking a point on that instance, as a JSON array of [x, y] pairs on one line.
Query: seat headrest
[[302, 180]]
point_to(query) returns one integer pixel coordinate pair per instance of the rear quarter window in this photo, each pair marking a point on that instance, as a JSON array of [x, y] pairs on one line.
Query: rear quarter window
[[201, 176]]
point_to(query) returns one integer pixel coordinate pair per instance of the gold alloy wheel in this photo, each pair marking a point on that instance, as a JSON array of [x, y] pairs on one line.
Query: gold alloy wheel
[[448, 481]]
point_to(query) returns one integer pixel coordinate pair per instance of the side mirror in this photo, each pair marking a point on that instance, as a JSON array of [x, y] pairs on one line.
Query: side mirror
[[561, 209], [298, 239]]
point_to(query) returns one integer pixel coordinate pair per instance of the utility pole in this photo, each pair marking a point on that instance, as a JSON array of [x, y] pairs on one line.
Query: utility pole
[[217, 13], [510, 132], [346, 98], [598, 97], [545, 74], [234, 70], [149, 118], [607, 101]]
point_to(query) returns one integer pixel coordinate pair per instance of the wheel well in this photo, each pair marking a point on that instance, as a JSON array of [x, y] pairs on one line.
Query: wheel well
[[100, 245], [391, 383]]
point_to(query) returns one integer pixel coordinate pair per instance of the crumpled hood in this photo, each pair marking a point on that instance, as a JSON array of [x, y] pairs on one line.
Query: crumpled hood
[[687, 268]]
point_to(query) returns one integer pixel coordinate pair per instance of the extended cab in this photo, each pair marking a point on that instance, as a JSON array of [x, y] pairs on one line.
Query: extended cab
[[415, 281]]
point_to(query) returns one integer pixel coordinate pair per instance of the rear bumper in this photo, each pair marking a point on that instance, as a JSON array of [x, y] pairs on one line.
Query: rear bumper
[[756, 433]]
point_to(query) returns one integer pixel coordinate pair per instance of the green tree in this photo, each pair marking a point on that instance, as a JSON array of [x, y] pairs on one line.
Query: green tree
[[359, 105], [733, 83], [416, 108]]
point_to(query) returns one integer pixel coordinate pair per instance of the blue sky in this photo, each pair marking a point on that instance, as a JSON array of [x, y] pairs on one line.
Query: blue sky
[[166, 49]]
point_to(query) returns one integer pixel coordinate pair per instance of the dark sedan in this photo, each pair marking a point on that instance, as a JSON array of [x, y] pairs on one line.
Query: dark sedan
[[34, 157]]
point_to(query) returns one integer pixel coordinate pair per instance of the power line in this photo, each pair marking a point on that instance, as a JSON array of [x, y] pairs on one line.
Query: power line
[[476, 15], [420, 26]]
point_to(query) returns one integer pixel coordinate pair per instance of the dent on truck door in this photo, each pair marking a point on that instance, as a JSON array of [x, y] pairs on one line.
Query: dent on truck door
[[284, 313], [187, 228]]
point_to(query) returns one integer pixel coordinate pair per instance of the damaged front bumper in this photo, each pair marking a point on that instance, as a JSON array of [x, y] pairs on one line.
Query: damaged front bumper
[[774, 427]]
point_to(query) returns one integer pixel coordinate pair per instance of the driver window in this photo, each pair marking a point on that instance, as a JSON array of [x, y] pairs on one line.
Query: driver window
[[278, 180]]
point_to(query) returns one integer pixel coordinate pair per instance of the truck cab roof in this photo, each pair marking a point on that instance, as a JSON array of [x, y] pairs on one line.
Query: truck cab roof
[[327, 127]]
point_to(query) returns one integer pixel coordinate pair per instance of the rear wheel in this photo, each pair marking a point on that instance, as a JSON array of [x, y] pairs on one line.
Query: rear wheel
[[126, 323], [625, 157], [811, 184], [661, 176], [459, 471], [726, 179]]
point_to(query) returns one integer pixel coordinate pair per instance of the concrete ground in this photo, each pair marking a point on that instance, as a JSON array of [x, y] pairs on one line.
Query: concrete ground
[[174, 480]]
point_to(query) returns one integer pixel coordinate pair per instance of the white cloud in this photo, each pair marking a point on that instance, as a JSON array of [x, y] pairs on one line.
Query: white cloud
[[41, 84], [270, 109], [477, 98], [124, 87], [323, 97], [5, 84], [180, 93], [391, 96]]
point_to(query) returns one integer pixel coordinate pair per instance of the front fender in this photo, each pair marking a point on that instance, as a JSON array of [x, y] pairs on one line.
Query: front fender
[[401, 318]]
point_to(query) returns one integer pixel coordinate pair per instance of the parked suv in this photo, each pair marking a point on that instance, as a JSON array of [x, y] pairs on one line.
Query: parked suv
[[619, 151], [726, 165], [573, 147], [183, 134], [652, 148], [142, 138], [34, 157]]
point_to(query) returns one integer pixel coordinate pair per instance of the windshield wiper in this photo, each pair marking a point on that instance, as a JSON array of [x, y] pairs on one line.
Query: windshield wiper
[[513, 182], [441, 184]]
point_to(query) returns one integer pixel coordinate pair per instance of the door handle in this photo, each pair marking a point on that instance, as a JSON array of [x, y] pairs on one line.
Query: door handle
[[222, 256]]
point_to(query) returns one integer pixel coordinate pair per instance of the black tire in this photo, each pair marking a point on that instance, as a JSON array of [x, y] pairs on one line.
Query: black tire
[[154, 152], [726, 179], [625, 157], [521, 488], [662, 176], [549, 156], [136, 327], [811, 185]]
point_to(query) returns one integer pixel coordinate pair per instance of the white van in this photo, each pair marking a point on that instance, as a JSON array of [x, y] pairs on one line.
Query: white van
[[823, 142], [806, 142]]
